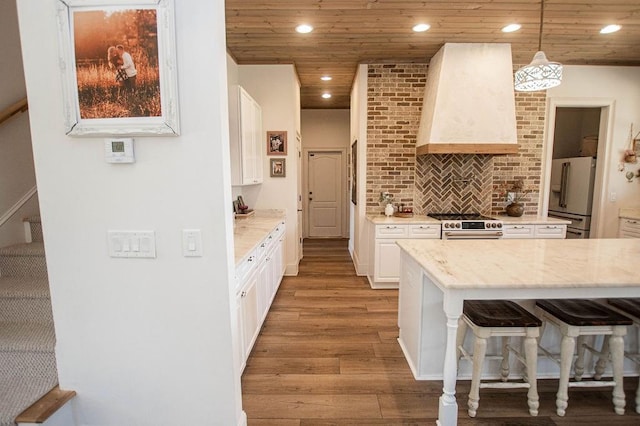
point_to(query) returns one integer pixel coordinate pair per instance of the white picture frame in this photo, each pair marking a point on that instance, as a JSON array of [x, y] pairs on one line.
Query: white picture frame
[[113, 109]]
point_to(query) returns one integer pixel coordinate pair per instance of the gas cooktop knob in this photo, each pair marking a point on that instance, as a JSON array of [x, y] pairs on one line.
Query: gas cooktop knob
[[457, 225], [499, 225]]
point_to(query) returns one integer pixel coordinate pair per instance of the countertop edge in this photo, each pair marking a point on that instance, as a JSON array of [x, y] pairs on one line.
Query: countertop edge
[[249, 232]]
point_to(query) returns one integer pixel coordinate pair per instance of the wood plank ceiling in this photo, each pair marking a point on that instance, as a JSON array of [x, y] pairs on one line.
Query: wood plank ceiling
[[350, 32]]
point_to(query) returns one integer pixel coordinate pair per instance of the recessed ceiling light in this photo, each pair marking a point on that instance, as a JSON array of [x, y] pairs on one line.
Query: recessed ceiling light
[[326, 95], [420, 28], [304, 28], [610, 29], [511, 28], [326, 78]]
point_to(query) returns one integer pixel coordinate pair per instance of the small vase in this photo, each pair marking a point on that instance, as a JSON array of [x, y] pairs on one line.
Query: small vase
[[515, 209], [388, 210]]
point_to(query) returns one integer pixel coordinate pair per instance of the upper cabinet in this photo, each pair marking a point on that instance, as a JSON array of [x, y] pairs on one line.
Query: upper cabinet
[[245, 131]]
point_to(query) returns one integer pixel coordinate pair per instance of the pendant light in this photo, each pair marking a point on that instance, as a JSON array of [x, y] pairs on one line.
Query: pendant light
[[540, 74]]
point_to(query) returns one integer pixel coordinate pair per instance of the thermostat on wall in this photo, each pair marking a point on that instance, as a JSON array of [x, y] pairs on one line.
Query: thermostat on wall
[[119, 150]]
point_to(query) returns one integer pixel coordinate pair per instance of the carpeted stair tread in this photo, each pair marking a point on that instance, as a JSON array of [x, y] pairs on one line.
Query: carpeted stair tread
[[26, 337], [24, 249], [16, 395], [24, 287]]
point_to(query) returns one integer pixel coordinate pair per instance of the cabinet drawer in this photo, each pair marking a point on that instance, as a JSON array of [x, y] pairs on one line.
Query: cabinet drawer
[[424, 231], [519, 231], [629, 228], [244, 268], [392, 231], [551, 231]]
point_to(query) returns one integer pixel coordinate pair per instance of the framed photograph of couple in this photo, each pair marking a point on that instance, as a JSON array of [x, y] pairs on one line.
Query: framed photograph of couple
[[277, 142], [118, 64]]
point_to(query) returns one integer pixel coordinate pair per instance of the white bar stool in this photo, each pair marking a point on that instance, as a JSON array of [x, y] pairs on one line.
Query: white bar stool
[[576, 318], [630, 308], [500, 318]]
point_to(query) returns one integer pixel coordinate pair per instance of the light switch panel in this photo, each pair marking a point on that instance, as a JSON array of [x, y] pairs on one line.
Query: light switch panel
[[141, 244], [191, 243]]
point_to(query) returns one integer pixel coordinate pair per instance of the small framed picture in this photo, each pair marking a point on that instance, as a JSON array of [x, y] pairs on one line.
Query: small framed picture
[[278, 167], [277, 142]]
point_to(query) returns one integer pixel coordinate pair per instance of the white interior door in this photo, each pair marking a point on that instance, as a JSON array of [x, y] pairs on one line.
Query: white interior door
[[325, 194]]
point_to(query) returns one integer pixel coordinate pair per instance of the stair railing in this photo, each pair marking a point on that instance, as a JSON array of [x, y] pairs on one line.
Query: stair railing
[[21, 202], [10, 111]]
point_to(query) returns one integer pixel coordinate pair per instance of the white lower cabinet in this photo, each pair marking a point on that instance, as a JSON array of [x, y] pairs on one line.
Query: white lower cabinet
[[551, 231], [629, 228], [384, 264], [259, 277], [534, 231]]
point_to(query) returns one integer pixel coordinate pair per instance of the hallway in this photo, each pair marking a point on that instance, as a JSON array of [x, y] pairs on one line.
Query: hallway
[[328, 355]]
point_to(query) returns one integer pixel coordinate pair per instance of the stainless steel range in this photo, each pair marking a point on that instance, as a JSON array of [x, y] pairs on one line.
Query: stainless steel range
[[468, 226]]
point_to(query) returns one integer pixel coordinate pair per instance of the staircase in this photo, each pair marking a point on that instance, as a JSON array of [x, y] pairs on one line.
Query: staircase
[[27, 360]]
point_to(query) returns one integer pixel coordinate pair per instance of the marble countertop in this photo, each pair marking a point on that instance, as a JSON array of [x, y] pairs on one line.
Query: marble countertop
[[249, 232], [528, 263], [531, 220], [630, 213], [380, 219]]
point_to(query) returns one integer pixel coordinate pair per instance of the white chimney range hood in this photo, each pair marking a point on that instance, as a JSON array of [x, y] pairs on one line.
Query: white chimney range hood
[[469, 101]]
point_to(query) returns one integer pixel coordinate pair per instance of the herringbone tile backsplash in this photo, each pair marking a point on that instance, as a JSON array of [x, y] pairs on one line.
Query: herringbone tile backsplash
[[453, 183]]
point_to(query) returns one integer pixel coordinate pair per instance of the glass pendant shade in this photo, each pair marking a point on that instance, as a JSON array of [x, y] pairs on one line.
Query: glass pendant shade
[[540, 74]]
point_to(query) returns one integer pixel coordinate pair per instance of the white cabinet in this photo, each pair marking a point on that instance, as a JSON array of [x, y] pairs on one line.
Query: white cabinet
[[518, 231], [523, 231], [629, 228], [246, 141], [551, 231], [248, 324], [384, 263], [258, 278]]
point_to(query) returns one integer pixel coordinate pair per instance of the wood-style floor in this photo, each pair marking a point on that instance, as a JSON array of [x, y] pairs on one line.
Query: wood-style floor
[[328, 355]]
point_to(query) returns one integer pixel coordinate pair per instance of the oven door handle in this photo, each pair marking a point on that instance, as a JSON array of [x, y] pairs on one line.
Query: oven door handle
[[473, 235]]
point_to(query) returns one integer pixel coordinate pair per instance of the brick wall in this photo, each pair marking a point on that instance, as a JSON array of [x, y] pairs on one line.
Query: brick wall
[[394, 100], [433, 183], [527, 163]]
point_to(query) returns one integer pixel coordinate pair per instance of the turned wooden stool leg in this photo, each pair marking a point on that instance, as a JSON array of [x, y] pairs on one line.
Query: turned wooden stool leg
[[579, 365], [504, 364], [566, 356], [531, 356], [601, 364], [462, 331], [616, 346], [479, 351]]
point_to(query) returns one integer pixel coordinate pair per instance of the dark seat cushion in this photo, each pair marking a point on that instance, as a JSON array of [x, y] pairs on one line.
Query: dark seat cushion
[[580, 312], [499, 313], [630, 306]]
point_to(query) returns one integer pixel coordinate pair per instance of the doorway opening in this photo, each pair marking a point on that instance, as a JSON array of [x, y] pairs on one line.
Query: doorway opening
[[576, 159]]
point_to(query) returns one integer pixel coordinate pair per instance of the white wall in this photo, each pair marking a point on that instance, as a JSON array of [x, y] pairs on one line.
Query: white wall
[[622, 85], [325, 128], [358, 240], [17, 175], [142, 341], [276, 89]]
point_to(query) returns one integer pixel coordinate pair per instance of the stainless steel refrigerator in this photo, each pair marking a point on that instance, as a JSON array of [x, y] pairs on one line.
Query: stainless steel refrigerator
[[571, 195]]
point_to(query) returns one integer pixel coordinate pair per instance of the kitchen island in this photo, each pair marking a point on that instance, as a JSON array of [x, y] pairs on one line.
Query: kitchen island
[[438, 275]]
